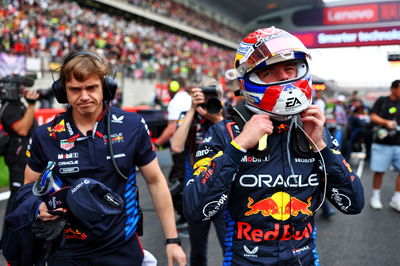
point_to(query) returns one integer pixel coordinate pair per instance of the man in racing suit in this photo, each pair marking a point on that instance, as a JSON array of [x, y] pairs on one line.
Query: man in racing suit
[[272, 163]]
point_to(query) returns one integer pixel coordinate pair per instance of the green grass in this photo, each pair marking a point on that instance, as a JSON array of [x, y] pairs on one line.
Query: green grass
[[3, 173]]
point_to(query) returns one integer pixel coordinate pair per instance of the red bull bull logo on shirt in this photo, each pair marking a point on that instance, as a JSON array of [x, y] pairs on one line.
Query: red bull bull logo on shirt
[[279, 206], [60, 127]]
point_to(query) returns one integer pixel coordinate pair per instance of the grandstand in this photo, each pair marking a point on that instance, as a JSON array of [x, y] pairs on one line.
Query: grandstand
[[141, 48]]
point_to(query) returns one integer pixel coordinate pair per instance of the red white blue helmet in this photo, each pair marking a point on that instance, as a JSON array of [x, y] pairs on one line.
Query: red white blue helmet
[[265, 47]]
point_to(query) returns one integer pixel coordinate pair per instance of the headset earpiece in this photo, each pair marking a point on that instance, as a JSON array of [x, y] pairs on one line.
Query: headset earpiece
[[110, 88], [110, 85], [59, 92]]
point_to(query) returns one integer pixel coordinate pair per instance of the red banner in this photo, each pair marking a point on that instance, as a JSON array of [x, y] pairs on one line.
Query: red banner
[[350, 37]]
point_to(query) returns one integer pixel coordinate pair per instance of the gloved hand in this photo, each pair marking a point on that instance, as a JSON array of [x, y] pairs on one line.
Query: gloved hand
[[49, 230], [52, 232]]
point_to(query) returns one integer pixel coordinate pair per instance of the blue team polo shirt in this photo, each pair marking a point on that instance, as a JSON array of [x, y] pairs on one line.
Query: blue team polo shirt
[[78, 156]]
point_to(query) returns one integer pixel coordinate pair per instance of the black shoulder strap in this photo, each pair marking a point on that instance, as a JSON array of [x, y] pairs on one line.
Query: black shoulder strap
[[299, 140], [240, 114]]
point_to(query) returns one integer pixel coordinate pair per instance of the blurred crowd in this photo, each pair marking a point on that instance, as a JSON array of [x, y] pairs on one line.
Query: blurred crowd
[[54, 28], [348, 119], [183, 14]]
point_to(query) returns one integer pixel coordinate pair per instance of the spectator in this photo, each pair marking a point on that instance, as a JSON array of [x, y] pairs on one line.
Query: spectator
[[56, 27], [320, 101], [359, 128], [385, 150], [340, 114]]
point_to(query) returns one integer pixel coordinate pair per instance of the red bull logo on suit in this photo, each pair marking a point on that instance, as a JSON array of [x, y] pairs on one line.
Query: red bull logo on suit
[[279, 206]]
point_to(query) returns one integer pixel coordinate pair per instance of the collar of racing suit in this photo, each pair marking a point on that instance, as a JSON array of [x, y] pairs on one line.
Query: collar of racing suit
[[241, 113]]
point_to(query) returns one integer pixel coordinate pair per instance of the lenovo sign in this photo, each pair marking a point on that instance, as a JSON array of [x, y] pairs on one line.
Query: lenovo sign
[[351, 14]]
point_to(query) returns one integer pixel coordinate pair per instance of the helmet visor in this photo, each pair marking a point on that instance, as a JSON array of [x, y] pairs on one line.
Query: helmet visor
[[276, 74], [283, 44]]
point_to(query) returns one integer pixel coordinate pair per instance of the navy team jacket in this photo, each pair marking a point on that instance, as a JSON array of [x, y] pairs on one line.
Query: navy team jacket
[[78, 156], [270, 200]]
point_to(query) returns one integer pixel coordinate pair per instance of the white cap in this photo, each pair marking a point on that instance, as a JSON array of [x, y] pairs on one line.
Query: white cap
[[341, 98]]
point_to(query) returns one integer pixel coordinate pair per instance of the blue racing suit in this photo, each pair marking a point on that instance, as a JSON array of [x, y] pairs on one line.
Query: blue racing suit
[[270, 200]]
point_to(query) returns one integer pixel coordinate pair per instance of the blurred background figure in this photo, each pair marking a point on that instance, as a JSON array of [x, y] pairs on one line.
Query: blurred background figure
[[205, 111], [359, 129], [340, 115], [180, 102], [319, 100], [17, 117], [385, 150]]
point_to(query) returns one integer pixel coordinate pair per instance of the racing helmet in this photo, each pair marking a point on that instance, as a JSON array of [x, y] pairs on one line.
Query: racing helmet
[[265, 47]]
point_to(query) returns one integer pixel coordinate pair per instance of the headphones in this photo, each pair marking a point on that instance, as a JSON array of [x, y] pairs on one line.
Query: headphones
[[110, 85]]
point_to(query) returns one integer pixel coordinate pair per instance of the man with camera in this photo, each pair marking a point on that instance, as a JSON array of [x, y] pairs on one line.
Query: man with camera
[[205, 111], [385, 149], [19, 122]]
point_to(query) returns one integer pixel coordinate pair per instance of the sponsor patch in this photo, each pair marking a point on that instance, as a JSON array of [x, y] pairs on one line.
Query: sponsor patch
[[65, 145], [118, 119], [342, 200], [250, 252], [69, 128], [69, 170], [297, 251], [71, 155]]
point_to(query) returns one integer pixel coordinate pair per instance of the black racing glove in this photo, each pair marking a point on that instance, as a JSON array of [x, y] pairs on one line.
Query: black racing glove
[[49, 230], [52, 232]]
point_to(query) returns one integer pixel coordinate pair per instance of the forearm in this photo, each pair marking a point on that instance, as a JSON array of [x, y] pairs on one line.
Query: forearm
[[30, 175], [164, 207], [166, 134], [379, 120], [22, 126], [181, 133]]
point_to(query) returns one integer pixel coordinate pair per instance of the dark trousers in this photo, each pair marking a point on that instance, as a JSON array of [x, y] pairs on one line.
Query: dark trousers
[[177, 175], [198, 233], [16, 167], [129, 254]]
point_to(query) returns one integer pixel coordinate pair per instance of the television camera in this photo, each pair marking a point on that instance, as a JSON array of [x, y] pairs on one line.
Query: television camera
[[10, 86], [11, 90]]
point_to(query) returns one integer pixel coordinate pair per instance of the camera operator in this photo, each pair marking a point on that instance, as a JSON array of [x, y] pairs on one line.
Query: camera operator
[[205, 111], [19, 122]]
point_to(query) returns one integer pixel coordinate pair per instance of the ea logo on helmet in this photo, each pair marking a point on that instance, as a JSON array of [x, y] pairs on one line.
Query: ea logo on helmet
[[292, 102]]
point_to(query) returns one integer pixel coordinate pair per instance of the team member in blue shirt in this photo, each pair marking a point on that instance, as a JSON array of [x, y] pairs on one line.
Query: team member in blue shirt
[[78, 141]]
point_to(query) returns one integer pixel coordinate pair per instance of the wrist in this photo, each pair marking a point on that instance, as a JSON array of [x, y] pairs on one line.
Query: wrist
[[319, 146], [31, 102], [237, 146], [175, 240]]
